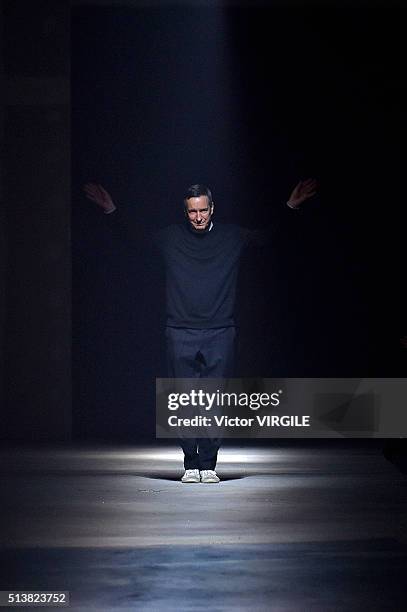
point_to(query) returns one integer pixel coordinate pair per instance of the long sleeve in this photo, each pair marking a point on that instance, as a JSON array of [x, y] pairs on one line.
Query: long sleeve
[[136, 235], [282, 229]]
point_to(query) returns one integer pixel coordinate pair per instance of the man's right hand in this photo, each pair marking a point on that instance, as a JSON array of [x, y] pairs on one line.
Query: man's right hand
[[98, 194]]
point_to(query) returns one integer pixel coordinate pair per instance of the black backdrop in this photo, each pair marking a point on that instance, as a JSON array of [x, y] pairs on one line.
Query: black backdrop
[[247, 100]]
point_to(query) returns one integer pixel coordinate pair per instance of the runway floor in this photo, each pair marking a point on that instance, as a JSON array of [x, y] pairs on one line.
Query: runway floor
[[289, 528]]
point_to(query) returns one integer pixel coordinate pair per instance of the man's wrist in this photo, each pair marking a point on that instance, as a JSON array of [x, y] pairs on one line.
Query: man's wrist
[[290, 205], [110, 210]]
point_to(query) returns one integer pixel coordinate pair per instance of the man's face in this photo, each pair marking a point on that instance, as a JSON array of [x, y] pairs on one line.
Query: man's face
[[199, 212]]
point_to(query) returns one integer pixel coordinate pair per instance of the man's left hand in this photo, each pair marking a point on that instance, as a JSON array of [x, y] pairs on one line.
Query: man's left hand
[[301, 192]]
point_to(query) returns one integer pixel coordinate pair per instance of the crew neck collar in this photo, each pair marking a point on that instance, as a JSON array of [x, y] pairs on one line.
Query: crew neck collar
[[198, 232]]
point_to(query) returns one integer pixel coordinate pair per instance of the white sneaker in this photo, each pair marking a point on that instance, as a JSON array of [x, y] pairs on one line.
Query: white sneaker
[[191, 476], [209, 476]]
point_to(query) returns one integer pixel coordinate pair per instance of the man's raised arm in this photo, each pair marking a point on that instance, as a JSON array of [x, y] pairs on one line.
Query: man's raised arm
[[120, 220], [100, 196], [301, 192]]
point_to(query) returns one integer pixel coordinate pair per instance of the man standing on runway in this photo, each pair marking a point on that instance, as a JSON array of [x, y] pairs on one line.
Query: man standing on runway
[[201, 259]]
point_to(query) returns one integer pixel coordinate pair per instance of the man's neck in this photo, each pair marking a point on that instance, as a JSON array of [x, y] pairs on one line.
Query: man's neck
[[200, 232]]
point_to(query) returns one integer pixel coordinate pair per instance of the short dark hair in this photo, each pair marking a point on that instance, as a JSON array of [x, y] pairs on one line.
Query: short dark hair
[[194, 191]]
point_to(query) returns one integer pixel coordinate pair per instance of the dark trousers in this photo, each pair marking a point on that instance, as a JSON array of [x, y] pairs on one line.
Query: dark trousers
[[200, 353]]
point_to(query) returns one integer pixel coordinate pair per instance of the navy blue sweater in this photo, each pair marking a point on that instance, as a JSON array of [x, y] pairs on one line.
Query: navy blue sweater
[[201, 273], [201, 268]]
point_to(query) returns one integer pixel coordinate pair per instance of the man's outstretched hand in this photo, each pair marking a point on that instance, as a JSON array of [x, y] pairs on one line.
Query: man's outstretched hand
[[301, 192], [98, 194], [403, 341]]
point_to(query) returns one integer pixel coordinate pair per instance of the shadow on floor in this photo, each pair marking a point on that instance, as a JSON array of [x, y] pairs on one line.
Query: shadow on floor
[[177, 477]]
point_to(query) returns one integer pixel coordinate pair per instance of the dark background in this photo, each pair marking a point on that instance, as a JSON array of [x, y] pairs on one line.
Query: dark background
[[247, 98]]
